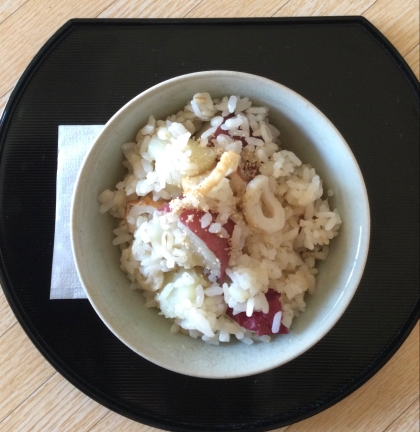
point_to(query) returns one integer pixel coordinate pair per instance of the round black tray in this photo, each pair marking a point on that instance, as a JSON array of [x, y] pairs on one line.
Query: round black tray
[[84, 74]]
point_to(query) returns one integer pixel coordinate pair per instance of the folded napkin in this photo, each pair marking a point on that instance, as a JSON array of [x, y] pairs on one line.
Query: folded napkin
[[73, 144]]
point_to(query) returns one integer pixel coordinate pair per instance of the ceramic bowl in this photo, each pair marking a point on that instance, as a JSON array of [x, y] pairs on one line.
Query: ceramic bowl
[[305, 131]]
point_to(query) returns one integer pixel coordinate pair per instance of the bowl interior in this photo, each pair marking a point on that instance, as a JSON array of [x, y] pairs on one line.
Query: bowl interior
[[305, 131]]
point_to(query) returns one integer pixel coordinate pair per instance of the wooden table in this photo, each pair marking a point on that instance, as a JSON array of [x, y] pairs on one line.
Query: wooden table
[[34, 397]]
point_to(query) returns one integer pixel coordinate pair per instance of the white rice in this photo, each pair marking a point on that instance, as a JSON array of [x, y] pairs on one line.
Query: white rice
[[157, 249]]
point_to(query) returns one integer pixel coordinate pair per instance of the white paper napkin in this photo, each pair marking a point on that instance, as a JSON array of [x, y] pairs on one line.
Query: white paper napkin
[[73, 144]]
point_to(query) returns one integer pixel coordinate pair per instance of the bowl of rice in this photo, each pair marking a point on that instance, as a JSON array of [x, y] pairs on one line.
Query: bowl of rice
[[220, 224]]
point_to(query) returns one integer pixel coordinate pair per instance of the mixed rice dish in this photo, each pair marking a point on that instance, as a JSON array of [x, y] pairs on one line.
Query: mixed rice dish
[[219, 226]]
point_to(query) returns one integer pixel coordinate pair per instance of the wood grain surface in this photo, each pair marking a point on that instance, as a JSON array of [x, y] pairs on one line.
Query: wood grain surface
[[33, 396]]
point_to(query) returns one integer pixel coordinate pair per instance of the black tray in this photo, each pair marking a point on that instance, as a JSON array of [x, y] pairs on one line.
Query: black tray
[[84, 74]]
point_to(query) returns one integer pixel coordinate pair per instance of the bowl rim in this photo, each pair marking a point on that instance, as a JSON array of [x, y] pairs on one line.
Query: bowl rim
[[362, 249]]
